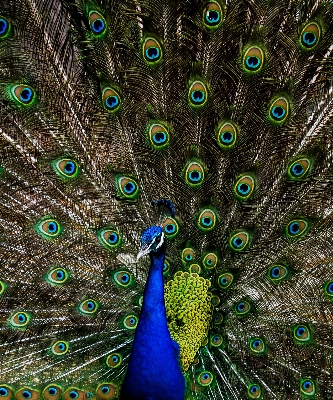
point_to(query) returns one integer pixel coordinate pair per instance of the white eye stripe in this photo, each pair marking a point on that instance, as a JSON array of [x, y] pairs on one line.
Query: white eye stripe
[[161, 241]]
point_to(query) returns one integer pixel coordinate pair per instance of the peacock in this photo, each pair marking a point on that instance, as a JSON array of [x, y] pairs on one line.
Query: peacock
[[166, 188]]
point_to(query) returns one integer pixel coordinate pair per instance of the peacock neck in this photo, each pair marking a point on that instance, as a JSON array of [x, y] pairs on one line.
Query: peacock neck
[[153, 372]]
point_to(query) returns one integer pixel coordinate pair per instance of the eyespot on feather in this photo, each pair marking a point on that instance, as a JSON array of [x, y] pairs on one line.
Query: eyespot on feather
[[310, 36], [226, 134], [127, 187], [60, 348], [130, 321], [244, 187], [114, 360], [308, 388], [5, 27], [205, 378], [170, 228], [66, 168], [110, 238], [27, 393], [158, 135], [57, 276], [106, 391], [97, 24], [212, 15], [88, 307], [152, 51], [239, 241], [52, 392], [74, 393], [198, 94], [278, 273], [206, 220], [210, 260], [111, 100], [257, 346], [254, 391], [299, 168], [123, 278], [23, 95], [49, 228], [6, 392], [279, 110], [253, 59], [194, 173], [225, 280], [297, 228], [19, 320]]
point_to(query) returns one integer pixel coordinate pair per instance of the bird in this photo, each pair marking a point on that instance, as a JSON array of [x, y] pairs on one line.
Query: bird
[[166, 199]]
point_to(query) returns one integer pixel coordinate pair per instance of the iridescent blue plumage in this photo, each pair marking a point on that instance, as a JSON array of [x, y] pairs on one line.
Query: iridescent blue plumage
[[153, 371]]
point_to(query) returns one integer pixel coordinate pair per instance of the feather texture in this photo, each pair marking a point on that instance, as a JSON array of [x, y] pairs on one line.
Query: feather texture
[[222, 107]]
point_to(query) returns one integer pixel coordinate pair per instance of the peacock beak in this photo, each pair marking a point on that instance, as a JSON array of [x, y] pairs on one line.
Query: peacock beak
[[144, 250]]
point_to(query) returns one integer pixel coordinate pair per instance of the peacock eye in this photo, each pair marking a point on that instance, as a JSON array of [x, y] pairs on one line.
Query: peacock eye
[[216, 340], [114, 360], [194, 174], [106, 391], [244, 187], [123, 278], [253, 59], [279, 110], [52, 392], [166, 267], [23, 94], [215, 300], [301, 334], [242, 308], [88, 307], [27, 393], [97, 23], [328, 289], [212, 15], [73, 393], [257, 345], [195, 269], [226, 134], [298, 168], [225, 280], [19, 319], [170, 228], [57, 276], [205, 378], [197, 94], [2, 287], [152, 51], [310, 35], [297, 228], [110, 238], [4, 27], [127, 187], [66, 168], [159, 136], [130, 321], [49, 228], [60, 348], [210, 260], [308, 387], [217, 319], [111, 100], [188, 255], [254, 391], [6, 392], [239, 241], [278, 273], [207, 220]]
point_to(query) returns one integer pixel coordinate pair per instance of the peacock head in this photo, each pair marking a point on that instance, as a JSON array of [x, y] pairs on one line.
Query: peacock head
[[152, 241]]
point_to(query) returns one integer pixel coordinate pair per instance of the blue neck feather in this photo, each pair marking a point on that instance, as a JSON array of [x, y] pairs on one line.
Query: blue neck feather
[[153, 372]]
